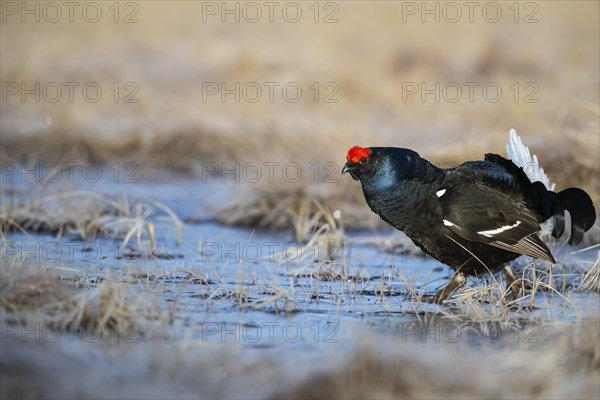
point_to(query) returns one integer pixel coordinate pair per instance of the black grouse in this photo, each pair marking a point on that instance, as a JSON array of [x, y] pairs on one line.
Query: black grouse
[[475, 217]]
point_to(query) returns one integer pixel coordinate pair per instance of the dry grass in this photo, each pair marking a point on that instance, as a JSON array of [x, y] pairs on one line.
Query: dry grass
[[557, 362], [301, 208], [564, 364], [88, 214], [55, 297], [591, 277]]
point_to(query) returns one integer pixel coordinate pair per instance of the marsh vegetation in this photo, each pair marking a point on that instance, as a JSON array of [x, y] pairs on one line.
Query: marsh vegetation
[[188, 245]]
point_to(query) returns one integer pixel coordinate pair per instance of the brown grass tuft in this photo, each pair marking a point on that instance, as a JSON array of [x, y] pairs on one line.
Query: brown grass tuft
[[88, 214], [560, 363], [33, 293]]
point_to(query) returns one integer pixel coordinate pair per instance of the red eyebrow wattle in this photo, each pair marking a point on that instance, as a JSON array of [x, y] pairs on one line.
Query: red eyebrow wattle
[[356, 153]]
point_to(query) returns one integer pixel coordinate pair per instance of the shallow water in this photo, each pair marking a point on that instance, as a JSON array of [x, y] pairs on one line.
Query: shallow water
[[261, 289]]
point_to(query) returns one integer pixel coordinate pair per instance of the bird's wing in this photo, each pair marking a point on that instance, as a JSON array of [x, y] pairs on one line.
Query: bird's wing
[[480, 214], [496, 172]]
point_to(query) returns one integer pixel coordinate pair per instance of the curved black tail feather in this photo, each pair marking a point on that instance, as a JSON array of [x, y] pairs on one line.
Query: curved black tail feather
[[576, 201], [580, 207]]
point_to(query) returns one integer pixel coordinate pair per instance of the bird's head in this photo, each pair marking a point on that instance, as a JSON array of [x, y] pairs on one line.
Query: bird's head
[[360, 163], [380, 166]]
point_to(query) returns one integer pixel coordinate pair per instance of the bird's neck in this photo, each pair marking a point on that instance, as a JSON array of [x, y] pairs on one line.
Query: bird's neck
[[395, 174]]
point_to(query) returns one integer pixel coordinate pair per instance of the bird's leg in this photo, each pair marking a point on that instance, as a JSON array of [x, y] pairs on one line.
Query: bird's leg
[[512, 283], [458, 280]]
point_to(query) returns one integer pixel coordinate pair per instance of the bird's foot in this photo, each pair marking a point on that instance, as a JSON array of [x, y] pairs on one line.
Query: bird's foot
[[458, 281], [512, 284]]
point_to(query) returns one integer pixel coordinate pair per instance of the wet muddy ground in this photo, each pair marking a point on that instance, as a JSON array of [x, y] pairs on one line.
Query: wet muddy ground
[[221, 274], [260, 294]]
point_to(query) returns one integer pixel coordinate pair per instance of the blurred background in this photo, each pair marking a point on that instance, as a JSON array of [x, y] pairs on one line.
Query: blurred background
[[174, 84], [187, 89]]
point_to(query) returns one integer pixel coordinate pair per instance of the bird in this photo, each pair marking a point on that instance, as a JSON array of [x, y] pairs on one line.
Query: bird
[[475, 217]]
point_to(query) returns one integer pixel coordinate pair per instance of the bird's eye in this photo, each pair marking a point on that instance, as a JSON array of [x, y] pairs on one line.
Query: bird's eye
[[363, 160]]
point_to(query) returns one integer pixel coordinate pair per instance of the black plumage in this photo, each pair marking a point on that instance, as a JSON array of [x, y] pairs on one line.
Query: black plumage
[[474, 217]]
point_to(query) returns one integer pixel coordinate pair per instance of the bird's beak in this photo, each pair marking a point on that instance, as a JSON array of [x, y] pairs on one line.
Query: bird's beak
[[350, 167], [347, 167]]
